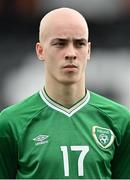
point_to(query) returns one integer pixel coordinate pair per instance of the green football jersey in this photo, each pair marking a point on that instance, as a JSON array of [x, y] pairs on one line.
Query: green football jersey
[[41, 139]]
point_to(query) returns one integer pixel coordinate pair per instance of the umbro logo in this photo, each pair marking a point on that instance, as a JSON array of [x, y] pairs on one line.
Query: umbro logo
[[41, 139]]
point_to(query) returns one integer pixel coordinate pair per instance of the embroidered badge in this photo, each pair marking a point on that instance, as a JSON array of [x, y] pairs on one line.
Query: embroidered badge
[[103, 136]]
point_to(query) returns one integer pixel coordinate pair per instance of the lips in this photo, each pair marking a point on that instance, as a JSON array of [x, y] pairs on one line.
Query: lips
[[70, 66]]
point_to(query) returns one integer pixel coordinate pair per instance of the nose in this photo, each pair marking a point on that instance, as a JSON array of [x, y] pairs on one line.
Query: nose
[[70, 53]]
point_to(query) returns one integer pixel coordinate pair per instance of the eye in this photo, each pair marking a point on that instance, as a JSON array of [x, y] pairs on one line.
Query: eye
[[59, 44], [80, 44]]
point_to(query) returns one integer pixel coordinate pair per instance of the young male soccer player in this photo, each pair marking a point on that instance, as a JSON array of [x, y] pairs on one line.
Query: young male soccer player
[[64, 130]]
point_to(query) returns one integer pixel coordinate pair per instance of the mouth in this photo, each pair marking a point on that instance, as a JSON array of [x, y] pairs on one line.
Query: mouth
[[70, 66]]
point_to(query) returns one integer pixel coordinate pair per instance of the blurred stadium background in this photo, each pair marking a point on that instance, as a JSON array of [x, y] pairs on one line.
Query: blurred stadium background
[[108, 73]]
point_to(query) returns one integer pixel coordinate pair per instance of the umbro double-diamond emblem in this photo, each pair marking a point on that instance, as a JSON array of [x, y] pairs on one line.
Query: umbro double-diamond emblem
[[41, 139]]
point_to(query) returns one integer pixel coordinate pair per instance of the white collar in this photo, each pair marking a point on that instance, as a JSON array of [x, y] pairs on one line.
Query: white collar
[[67, 111]]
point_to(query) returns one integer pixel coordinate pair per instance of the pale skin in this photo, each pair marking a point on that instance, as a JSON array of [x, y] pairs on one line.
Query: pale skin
[[65, 50]]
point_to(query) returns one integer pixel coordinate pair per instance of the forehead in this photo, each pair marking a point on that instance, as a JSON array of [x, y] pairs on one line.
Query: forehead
[[67, 31]]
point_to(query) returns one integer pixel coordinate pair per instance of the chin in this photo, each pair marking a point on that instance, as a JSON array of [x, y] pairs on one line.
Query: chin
[[69, 81]]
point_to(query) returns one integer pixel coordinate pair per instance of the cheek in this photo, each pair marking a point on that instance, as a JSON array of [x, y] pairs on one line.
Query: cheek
[[84, 56], [51, 63], [54, 59], [52, 55], [83, 63]]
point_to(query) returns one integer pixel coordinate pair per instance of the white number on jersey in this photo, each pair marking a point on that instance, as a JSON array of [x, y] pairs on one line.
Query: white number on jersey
[[84, 150]]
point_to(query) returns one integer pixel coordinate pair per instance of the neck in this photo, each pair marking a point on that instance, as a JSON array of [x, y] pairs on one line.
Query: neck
[[66, 95]]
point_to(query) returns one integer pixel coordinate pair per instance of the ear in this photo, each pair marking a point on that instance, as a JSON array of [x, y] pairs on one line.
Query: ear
[[39, 51], [89, 50]]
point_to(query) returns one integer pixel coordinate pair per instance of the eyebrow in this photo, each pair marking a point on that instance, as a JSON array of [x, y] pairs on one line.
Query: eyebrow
[[81, 40], [59, 40], [68, 39]]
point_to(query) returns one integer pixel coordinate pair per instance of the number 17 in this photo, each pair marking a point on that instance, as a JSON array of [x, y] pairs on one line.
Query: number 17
[[84, 150]]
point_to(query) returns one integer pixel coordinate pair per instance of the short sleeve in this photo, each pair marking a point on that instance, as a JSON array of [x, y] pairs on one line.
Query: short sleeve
[[121, 161], [8, 150]]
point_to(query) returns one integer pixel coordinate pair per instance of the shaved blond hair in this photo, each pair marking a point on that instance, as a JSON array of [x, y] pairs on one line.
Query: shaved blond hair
[[54, 15]]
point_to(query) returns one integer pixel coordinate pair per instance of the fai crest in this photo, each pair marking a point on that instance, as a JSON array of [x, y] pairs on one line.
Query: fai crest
[[104, 137]]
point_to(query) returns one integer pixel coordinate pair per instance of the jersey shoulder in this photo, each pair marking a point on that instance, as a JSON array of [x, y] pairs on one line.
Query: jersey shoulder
[[22, 111], [109, 107]]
